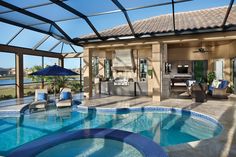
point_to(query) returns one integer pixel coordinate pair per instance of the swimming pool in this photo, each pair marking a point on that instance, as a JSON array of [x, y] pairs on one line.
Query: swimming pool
[[165, 126]]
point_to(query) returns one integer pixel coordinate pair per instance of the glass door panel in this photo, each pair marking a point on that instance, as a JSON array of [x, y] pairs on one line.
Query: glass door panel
[[200, 71]]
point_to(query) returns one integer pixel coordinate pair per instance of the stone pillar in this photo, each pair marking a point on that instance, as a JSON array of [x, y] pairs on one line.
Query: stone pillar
[[165, 79], [19, 75], [87, 71], [210, 61], [156, 70]]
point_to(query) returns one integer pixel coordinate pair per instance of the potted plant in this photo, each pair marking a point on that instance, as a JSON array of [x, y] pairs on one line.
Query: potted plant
[[210, 77]]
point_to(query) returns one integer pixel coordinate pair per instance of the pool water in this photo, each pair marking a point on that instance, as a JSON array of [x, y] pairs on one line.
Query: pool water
[[164, 128], [92, 147]]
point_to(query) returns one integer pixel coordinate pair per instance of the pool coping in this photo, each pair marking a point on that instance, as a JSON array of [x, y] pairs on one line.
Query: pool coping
[[145, 146], [163, 109]]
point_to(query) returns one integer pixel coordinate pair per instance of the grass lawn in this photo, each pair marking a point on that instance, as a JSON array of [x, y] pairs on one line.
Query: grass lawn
[[8, 92]]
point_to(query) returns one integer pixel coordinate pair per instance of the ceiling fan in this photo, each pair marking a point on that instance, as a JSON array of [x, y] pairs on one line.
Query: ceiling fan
[[202, 49]]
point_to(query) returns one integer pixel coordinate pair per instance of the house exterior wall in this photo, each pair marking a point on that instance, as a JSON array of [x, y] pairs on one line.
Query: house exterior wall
[[151, 53], [143, 48]]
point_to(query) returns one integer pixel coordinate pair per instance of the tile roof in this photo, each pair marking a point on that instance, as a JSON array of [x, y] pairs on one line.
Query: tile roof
[[184, 21]]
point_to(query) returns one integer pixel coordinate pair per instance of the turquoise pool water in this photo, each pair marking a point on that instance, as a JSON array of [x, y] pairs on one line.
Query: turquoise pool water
[[92, 147], [164, 128]]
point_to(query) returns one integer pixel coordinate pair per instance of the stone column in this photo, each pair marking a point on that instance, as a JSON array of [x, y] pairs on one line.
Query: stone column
[[156, 67], [87, 70], [165, 79], [19, 75]]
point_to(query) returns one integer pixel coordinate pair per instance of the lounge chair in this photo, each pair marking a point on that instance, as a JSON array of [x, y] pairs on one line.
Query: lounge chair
[[218, 88], [65, 98], [40, 100]]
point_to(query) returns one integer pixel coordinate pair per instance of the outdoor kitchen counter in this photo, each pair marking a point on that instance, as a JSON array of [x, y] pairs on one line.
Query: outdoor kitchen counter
[[132, 89]]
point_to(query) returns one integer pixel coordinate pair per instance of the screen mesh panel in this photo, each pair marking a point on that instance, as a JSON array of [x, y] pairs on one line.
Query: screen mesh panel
[[27, 38], [28, 3], [7, 32], [47, 45], [231, 16], [149, 12], [45, 27], [108, 21], [3, 9], [140, 3], [75, 28], [91, 7], [200, 20], [20, 18], [56, 12]]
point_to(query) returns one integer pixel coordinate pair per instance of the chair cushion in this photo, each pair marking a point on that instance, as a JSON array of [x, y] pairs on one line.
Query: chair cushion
[[223, 84], [41, 96], [189, 83], [64, 103], [210, 88], [65, 96], [214, 83]]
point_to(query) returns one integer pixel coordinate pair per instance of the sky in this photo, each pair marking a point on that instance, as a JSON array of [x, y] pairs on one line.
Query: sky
[[78, 27]]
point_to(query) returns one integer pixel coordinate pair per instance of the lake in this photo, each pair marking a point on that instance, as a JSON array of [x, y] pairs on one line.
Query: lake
[[12, 81]]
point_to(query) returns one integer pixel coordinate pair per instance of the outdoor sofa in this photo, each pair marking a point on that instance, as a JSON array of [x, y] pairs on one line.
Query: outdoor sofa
[[218, 88]]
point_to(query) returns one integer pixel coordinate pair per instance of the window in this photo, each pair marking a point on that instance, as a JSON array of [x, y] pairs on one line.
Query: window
[[95, 68], [219, 68], [107, 69], [143, 69]]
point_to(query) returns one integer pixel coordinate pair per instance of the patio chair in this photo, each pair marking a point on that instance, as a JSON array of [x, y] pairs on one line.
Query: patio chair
[[65, 98], [218, 88], [40, 100], [199, 92], [189, 84]]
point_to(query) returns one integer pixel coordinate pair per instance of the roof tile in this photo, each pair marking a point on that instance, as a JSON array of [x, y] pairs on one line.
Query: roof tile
[[192, 20]]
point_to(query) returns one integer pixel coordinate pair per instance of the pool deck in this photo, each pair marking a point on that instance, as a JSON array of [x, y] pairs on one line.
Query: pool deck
[[224, 110]]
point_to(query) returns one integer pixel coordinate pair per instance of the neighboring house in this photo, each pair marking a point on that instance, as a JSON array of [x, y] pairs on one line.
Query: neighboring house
[[4, 72], [12, 71]]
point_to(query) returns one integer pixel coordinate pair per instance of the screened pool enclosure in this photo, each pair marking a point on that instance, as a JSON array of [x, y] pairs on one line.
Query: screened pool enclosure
[[48, 32]]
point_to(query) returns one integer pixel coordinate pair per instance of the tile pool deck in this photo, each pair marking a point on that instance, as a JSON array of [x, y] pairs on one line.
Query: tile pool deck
[[223, 110]]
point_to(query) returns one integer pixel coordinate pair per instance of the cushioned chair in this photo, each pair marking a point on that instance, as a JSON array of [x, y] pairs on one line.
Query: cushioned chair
[[40, 100], [218, 88], [189, 84], [65, 98]]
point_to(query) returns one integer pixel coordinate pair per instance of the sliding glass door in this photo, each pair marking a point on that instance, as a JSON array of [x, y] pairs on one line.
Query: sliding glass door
[[200, 71]]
